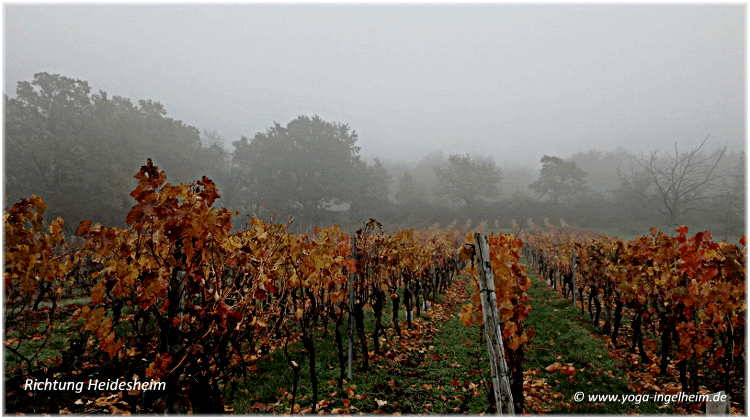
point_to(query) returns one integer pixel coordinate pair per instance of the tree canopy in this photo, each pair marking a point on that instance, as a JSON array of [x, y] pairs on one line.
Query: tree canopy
[[78, 150], [469, 179], [408, 191], [371, 193], [559, 179], [304, 168]]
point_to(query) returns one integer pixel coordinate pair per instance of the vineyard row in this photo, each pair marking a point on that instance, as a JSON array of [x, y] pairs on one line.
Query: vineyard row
[[689, 290], [178, 298]]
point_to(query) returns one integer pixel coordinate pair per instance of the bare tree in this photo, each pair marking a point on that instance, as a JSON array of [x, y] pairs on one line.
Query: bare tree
[[679, 182]]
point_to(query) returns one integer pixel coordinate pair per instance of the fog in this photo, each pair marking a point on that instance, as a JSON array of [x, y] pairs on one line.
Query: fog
[[508, 80], [513, 82]]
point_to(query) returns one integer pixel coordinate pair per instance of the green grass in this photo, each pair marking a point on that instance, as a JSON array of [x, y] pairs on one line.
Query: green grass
[[55, 346], [562, 331], [442, 369], [81, 300], [422, 382]]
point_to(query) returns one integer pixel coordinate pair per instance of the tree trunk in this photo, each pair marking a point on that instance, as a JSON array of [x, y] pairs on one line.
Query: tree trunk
[[607, 328], [435, 284], [377, 307], [340, 347], [693, 370], [395, 298], [666, 343], [618, 319], [598, 306], [359, 319], [682, 368], [580, 295], [638, 336], [205, 396], [308, 342], [417, 293], [408, 302]]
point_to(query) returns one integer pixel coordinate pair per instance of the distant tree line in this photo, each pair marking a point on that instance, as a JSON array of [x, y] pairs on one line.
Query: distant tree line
[[78, 150]]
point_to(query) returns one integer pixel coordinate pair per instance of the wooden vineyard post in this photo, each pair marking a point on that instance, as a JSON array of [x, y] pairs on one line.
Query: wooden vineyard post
[[556, 272], [493, 328], [573, 270], [352, 277], [181, 275]]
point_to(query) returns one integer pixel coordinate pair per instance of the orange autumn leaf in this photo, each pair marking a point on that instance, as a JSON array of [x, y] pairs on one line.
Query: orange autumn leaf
[[554, 367], [467, 315], [568, 370]]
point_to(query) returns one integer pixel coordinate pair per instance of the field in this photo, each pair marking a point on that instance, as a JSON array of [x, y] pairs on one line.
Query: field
[[258, 321], [439, 367]]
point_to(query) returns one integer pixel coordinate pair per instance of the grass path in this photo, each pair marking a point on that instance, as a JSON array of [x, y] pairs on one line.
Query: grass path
[[441, 367], [563, 335], [437, 367]]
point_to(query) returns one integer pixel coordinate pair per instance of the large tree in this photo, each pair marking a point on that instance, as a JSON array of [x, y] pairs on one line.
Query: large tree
[[559, 179], [679, 181], [79, 151], [303, 168], [371, 184], [408, 190], [469, 179], [54, 148], [602, 168], [217, 161]]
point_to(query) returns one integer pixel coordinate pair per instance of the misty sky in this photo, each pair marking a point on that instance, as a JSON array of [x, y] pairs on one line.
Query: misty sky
[[512, 81]]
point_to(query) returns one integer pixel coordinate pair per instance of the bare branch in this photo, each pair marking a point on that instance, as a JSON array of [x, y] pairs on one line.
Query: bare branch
[[680, 180]]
